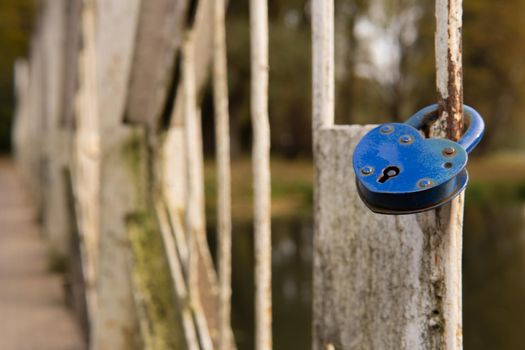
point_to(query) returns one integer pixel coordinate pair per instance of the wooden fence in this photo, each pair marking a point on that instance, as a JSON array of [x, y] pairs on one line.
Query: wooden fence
[[108, 138]]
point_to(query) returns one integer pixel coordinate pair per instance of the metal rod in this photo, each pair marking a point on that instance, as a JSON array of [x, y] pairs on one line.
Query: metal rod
[[323, 64], [195, 193], [222, 150], [446, 245], [449, 70], [261, 173]]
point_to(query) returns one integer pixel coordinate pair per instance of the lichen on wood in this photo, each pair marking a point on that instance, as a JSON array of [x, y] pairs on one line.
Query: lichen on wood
[[162, 328]]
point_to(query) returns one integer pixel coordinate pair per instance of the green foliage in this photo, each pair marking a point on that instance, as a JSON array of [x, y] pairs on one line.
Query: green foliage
[[16, 19]]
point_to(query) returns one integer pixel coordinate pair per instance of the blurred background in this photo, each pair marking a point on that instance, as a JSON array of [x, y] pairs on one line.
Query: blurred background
[[385, 71]]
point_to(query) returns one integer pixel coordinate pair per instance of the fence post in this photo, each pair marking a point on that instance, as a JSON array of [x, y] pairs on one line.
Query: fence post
[[380, 282], [22, 122], [121, 174], [55, 223]]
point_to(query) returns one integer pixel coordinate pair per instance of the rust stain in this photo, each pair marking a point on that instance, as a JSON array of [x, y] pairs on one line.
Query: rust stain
[[453, 104]]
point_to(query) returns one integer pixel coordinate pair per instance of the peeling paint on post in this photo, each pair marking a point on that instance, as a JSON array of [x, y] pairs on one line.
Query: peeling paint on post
[[449, 71], [449, 220]]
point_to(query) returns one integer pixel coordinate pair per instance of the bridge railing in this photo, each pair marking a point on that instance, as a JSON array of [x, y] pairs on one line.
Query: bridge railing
[[108, 137]]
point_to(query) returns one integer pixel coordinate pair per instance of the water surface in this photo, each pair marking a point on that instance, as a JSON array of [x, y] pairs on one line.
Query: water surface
[[493, 279]]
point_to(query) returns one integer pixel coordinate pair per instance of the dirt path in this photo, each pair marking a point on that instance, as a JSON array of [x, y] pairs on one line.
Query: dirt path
[[33, 315]]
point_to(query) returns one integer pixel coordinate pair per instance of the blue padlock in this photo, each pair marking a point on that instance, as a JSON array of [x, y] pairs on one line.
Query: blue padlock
[[398, 171]]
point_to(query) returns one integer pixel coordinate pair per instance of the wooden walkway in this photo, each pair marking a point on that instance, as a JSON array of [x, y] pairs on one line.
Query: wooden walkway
[[33, 315]]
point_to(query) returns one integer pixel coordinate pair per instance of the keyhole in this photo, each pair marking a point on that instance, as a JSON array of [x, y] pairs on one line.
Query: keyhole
[[388, 173]]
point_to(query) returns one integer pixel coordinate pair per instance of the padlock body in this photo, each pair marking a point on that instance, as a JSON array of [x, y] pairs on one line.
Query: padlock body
[[398, 171], [411, 203]]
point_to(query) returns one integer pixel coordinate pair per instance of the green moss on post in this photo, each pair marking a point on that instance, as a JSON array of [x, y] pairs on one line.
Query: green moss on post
[[162, 326]]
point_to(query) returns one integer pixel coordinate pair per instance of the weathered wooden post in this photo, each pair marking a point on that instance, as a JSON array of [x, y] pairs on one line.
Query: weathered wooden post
[[175, 157], [55, 222], [36, 126], [381, 282], [129, 166], [261, 173], [121, 172], [152, 73], [22, 122]]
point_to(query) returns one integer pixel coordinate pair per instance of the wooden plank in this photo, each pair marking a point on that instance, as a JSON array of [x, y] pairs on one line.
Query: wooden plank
[[160, 32]]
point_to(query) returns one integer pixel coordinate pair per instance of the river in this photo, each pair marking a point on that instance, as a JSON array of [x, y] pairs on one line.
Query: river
[[493, 279]]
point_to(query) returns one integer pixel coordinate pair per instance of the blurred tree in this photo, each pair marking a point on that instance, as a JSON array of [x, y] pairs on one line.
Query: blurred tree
[[16, 20], [384, 31], [494, 68], [385, 67], [290, 72], [347, 13], [494, 75]]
